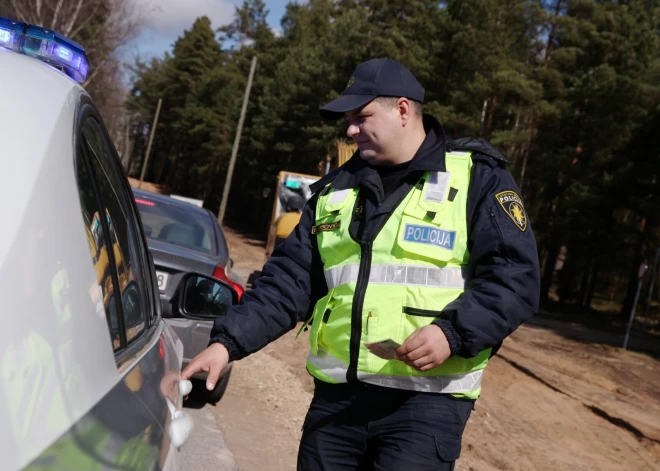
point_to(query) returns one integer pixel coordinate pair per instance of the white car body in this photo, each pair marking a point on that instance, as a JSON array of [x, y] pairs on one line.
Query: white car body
[[67, 400]]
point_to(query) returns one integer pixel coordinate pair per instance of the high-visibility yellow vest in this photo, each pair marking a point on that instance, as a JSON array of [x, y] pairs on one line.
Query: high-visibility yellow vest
[[401, 282]]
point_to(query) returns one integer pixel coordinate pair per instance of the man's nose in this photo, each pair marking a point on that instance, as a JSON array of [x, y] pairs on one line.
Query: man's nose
[[352, 130]]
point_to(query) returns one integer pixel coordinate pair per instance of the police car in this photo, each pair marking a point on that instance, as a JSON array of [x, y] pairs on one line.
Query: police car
[[90, 373]]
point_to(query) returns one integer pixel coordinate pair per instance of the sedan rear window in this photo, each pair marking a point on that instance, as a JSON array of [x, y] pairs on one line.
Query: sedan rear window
[[175, 225]]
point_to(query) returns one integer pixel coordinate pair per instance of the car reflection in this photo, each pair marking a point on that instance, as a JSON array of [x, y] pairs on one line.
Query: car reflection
[[130, 296]]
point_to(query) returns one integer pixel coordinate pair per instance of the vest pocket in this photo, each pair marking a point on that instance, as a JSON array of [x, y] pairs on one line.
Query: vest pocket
[[414, 318], [371, 335], [428, 241], [329, 217], [320, 317], [498, 229], [332, 205], [415, 311]]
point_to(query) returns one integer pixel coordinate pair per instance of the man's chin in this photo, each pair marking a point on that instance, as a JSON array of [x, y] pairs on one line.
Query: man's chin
[[372, 158], [368, 154]]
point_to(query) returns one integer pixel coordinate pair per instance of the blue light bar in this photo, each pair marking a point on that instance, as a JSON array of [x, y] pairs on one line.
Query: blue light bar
[[11, 34], [45, 45], [57, 50]]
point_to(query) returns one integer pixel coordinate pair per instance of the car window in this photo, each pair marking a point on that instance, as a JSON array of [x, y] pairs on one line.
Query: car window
[[177, 225], [98, 248], [123, 234]]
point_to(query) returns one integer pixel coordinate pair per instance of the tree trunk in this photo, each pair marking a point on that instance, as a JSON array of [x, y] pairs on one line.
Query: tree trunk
[[172, 179], [161, 170], [525, 148], [567, 278], [551, 37], [483, 115], [549, 270], [588, 283], [591, 287], [584, 282], [493, 106]]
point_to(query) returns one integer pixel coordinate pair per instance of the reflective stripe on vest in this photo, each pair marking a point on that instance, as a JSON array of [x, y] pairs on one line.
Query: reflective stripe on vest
[[398, 275], [445, 384]]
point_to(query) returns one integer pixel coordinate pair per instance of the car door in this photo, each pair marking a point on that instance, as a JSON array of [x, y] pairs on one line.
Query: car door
[[151, 372], [130, 428]]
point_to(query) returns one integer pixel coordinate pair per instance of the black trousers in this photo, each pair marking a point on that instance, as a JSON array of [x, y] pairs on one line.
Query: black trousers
[[363, 427]]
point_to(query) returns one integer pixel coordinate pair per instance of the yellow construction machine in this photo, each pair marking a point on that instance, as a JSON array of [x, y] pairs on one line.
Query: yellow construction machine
[[292, 192]]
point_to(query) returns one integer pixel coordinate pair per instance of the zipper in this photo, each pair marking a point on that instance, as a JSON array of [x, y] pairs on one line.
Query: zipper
[[366, 329], [356, 316], [326, 316], [414, 311], [499, 230]]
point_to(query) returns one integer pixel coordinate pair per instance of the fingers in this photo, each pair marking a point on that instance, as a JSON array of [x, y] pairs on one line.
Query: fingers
[[425, 363], [411, 344], [212, 360], [214, 373], [424, 349], [194, 367], [416, 354], [421, 351], [413, 356]]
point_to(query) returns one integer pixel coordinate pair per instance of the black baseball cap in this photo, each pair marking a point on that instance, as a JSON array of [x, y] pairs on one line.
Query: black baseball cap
[[371, 79]]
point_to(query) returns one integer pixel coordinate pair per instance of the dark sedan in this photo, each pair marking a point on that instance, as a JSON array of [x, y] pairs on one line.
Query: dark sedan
[[184, 238]]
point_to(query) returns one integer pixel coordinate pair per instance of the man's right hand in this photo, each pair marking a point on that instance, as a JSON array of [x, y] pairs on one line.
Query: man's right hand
[[212, 360]]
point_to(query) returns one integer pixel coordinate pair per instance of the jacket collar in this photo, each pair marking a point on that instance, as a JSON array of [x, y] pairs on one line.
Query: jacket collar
[[430, 157]]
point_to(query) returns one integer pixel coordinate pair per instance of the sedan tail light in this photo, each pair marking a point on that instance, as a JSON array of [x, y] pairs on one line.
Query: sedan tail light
[[220, 274]]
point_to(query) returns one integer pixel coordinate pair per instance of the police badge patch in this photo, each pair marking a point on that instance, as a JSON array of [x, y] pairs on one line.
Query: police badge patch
[[351, 81], [513, 207]]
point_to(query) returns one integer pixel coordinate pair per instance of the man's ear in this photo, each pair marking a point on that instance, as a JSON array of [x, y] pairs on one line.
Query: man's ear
[[405, 110]]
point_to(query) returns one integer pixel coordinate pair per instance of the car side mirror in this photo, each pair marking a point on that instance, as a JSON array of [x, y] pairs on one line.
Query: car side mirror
[[206, 297]]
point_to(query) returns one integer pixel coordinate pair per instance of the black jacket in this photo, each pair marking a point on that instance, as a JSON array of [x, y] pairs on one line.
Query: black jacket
[[503, 280]]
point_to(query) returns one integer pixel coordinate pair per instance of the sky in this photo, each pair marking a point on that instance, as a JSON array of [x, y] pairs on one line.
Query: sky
[[169, 18]]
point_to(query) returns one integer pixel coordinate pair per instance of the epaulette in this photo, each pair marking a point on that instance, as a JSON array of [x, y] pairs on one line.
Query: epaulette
[[488, 160], [481, 149]]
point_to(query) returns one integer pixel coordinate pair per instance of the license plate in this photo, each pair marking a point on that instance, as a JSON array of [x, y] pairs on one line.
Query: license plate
[[162, 278]]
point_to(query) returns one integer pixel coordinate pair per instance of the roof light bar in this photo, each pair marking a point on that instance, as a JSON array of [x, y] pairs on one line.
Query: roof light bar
[[11, 34], [57, 50], [45, 45]]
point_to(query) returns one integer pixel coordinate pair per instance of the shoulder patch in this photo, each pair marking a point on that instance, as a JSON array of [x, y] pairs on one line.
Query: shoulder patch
[[513, 207]]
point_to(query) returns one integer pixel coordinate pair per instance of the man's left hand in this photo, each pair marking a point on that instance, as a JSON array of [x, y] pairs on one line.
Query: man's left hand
[[425, 349]]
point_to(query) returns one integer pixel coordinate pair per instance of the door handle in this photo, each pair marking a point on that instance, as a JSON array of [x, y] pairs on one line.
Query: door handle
[[180, 428], [185, 386]]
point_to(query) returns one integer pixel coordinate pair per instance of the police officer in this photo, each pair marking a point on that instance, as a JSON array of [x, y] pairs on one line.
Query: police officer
[[411, 263]]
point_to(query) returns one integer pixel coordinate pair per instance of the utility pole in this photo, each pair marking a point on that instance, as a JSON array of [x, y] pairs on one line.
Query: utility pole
[[237, 139], [151, 140], [654, 277], [126, 157], [640, 274]]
